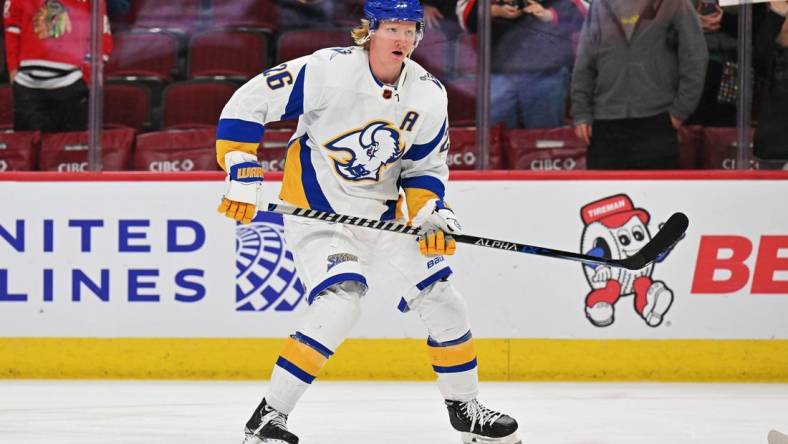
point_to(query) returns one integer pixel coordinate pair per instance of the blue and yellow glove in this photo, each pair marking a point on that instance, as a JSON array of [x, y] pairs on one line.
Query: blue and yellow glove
[[242, 184], [438, 224]]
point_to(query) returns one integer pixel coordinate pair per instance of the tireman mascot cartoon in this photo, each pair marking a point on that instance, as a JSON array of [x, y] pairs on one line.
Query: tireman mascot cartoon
[[615, 229]]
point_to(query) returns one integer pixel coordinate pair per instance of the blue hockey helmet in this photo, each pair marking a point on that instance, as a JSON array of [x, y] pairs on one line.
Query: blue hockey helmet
[[377, 11]]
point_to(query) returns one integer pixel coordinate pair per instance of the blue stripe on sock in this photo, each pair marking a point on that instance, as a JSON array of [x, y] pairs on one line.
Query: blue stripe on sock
[[456, 368], [320, 348], [294, 370]]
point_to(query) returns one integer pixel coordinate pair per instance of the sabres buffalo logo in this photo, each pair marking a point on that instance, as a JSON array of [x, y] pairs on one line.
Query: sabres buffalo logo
[[363, 154]]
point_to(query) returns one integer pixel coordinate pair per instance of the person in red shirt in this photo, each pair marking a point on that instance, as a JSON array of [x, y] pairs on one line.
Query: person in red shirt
[[47, 53]]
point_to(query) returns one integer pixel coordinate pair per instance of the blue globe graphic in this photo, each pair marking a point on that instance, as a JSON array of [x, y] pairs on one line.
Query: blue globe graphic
[[265, 271]]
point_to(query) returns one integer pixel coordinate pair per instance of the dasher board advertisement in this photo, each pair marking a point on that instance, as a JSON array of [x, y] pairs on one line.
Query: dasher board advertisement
[[147, 258]]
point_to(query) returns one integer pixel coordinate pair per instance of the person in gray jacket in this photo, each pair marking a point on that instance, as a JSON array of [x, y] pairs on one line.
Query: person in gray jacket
[[638, 75]]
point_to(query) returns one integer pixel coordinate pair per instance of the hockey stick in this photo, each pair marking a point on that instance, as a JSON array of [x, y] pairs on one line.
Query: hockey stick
[[665, 238]]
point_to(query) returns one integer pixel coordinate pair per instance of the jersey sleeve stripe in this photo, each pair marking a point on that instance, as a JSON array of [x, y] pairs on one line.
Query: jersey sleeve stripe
[[418, 152], [239, 130], [225, 146], [295, 104], [429, 183]]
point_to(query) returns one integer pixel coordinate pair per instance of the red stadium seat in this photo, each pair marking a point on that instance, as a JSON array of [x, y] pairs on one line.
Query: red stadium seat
[[69, 151], [719, 148], [6, 107], [690, 144], [195, 102], [273, 151], [294, 44], [145, 53], [181, 15], [176, 150], [462, 102], [18, 150], [544, 149], [463, 154], [244, 13], [228, 52], [128, 103]]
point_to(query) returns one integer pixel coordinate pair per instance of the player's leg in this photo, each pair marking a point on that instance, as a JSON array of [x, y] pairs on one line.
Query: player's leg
[[328, 264], [450, 345]]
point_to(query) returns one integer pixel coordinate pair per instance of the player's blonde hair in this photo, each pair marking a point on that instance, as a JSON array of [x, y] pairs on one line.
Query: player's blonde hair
[[360, 34]]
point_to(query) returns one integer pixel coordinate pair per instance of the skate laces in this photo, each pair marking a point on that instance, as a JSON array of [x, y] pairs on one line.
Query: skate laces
[[479, 414], [277, 418]]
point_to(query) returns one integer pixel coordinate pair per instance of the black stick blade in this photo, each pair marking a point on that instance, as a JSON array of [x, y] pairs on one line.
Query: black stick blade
[[665, 238]]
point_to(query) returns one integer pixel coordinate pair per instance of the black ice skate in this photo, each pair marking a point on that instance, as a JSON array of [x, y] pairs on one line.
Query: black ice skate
[[268, 426], [478, 424]]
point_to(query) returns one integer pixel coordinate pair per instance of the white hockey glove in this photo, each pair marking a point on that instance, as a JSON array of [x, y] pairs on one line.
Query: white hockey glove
[[438, 224], [243, 181]]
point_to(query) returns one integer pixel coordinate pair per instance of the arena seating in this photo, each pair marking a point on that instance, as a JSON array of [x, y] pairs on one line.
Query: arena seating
[[6, 107], [549, 149], [18, 150], [235, 53], [273, 151], [147, 53], [195, 102], [69, 151], [128, 103], [176, 150]]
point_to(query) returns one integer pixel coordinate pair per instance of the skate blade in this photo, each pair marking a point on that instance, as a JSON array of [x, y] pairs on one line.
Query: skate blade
[[470, 438], [257, 440]]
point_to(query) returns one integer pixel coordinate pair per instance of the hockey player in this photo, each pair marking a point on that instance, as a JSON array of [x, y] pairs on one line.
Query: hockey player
[[371, 122]]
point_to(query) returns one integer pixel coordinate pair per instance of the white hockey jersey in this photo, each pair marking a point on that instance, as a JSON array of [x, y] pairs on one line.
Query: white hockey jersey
[[358, 141]]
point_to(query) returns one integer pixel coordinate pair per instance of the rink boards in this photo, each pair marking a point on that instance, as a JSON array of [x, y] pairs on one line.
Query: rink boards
[[136, 276]]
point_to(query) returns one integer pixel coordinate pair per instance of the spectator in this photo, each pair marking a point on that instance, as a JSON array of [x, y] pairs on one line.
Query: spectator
[[118, 8], [295, 14], [771, 62], [639, 74], [532, 55], [717, 105], [47, 44], [440, 14]]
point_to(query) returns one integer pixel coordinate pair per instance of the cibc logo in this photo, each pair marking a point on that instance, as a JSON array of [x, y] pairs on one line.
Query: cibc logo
[[3, 165], [266, 275], [70, 167], [553, 164], [722, 265], [164, 166], [461, 159]]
